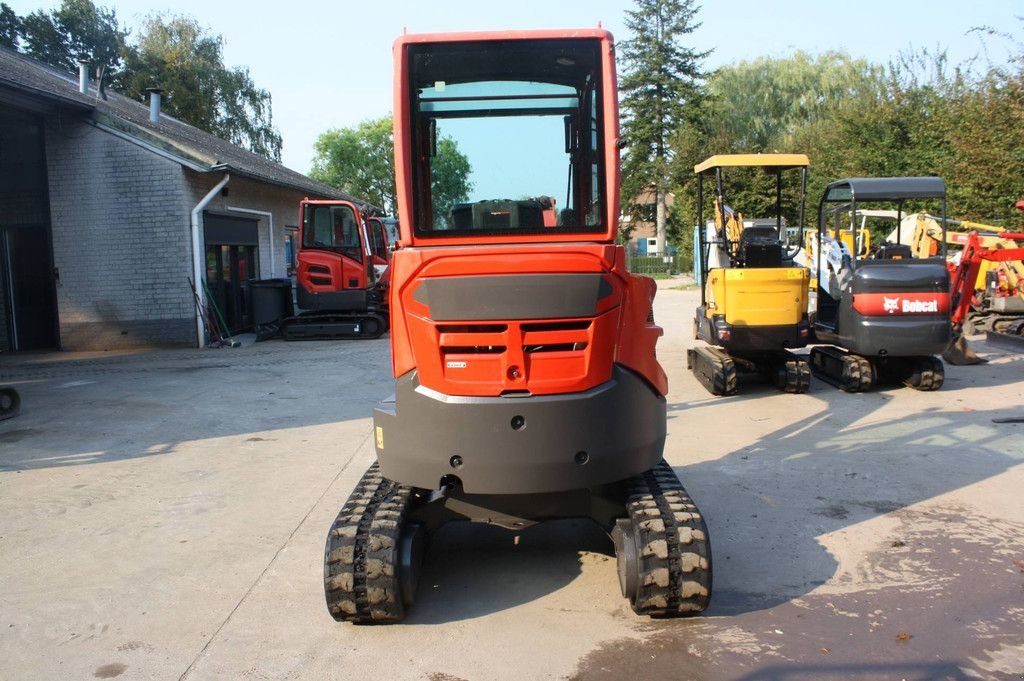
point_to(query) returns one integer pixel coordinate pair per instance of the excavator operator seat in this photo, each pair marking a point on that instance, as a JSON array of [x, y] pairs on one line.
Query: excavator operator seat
[[760, 246], [891, 251], [500, 214]]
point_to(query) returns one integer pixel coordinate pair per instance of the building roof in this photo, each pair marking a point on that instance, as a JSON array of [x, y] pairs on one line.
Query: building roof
[[30, 84]]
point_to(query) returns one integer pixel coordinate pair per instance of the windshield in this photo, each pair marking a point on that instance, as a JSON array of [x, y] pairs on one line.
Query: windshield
[[509, 138], [332, 228]]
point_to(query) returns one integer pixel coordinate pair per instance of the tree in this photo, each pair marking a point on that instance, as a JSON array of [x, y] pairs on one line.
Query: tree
[[10, 27], [660, 91], [449, 182], [360, 161], [172, 53], [76, 30], [758, 104], [180, 57]]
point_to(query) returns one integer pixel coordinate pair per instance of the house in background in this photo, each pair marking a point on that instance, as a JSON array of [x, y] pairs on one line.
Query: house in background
[[108, 208], [644, 240]]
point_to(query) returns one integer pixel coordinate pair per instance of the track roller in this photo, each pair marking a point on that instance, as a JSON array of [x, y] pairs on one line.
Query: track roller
[[845, 370], [927, 373], [372, 559], [662, 549], [714, 368], [793, 375]]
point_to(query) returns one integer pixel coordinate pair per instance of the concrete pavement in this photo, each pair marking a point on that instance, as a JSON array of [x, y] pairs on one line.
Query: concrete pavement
[[162, 515]]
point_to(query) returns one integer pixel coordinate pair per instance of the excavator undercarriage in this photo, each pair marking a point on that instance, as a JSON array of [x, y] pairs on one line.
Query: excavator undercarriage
[[721, 372], [375, 547], [855, 373]]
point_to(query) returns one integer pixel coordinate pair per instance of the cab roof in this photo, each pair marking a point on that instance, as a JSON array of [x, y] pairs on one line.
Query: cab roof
[[779, 161], [886, 188]]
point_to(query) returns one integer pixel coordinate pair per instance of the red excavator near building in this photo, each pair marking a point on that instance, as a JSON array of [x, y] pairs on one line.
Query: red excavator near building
[[339, 288]]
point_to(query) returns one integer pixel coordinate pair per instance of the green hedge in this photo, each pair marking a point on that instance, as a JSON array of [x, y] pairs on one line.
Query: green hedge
[[655, 265]]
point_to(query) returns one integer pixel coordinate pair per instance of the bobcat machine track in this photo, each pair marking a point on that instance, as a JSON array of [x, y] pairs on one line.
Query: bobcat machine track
[[854, 373]]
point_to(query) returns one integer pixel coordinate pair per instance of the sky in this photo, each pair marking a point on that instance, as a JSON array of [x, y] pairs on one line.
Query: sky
[[328, 64]]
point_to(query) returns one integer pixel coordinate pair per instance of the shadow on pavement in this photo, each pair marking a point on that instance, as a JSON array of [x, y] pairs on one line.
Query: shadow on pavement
[[100, 409], [473, 570]]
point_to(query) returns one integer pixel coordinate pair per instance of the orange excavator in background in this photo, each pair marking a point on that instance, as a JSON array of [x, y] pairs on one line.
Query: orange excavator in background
[[986, 267], [986, 278], [340, 292], [997, 306]]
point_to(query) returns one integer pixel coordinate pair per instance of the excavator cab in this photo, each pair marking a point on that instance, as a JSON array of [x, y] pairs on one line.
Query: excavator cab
[[888, 311], [753, 296], [338, 289], [527, 387]]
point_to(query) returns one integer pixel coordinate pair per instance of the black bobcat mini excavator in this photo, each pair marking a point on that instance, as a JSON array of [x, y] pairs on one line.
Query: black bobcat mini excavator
[[753, 306], [887, 312], [526, 382]]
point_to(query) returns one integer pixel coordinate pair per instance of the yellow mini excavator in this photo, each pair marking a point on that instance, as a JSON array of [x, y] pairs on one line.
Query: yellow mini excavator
[[753, 306]]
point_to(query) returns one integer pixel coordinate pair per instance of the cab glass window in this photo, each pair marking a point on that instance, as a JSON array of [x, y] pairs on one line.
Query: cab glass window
[[332, 228], [507, 141]]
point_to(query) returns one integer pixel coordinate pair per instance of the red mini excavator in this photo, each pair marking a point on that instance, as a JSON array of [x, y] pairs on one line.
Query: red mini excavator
[[527, 386], [340, 294]]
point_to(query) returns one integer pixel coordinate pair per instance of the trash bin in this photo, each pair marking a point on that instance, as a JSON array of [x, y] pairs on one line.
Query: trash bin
[[271, 301]]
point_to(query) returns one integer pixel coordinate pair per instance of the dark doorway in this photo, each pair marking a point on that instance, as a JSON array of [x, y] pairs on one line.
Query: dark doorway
[[232, 259], [29, 307], [29, 283]]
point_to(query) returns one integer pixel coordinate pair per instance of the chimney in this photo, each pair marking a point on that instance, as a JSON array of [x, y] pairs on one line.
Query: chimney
[[83, 76], [154, 104]]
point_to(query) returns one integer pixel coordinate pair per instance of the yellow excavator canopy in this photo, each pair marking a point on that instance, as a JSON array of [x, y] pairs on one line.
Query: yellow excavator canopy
[[780, 161]]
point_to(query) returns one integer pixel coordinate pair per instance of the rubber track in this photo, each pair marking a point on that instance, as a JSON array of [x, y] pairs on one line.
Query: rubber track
[[930, 374], [797, 376], [291, 331], [361, 571], [714, 368], [847, 371], [674, 548]]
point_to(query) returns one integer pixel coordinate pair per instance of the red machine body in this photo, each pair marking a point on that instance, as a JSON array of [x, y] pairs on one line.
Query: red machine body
[[339, 292], [526, 382], [579, 352], [964, 274]]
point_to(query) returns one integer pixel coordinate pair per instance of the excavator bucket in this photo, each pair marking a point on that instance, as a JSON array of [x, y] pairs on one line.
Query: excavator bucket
[[959, 353]]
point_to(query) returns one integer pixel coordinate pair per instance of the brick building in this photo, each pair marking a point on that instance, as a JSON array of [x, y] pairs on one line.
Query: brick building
[[105, 215], [643, 219]]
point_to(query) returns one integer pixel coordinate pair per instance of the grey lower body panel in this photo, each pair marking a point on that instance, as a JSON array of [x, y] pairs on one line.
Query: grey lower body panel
[[751, 339], [896, 336], [521, 445], [355, 300]]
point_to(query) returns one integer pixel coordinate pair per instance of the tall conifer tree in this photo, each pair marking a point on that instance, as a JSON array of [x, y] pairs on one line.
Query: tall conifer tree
[[662, 87]]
